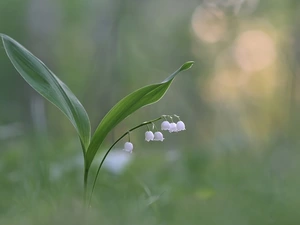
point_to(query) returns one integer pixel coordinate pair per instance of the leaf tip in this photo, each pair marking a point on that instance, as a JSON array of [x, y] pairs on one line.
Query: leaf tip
[[186, 65], [2, 36]]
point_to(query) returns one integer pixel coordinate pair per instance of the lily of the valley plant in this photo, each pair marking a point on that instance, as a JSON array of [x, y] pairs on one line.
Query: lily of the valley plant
[[43, 80]]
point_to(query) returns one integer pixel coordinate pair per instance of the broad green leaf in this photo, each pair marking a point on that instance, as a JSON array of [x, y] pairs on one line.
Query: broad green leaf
[[40, 78], [132, 102]]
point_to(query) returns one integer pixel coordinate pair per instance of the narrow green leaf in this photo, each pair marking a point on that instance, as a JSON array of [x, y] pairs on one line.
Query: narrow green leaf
[[40, 78], [132, 102]]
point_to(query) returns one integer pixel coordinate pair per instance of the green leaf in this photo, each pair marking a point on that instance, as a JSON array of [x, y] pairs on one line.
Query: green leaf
[[132, 102], [40, 78]]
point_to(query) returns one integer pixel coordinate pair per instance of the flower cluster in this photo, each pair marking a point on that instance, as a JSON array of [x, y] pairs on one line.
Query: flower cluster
[[173, 127], [158, 136]]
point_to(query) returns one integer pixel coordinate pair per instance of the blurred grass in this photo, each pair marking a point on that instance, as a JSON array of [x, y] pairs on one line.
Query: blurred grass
[[158, 187]]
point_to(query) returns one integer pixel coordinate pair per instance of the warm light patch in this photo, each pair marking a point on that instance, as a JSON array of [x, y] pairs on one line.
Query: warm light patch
[[209, 24], [254, 50], [227, 85], [233, 84]]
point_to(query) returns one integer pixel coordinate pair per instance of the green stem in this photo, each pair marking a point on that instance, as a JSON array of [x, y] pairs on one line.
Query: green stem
[[85, 179], [85, 176], [103, 159]]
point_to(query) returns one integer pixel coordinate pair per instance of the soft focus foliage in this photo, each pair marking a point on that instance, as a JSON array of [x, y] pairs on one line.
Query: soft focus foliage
[[238, 161]]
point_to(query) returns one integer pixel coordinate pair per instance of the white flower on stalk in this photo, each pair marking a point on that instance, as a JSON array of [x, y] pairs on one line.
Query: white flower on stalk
[[173, 127], [128, 147], [158, 136], [149, 136], [165, 125], [180, 126]]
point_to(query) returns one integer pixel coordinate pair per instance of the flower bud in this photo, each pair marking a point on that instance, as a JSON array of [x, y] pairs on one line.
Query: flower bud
[[158, 136], [180, 126], [165, 125], [149, 136], [128, 147], [173, 127]]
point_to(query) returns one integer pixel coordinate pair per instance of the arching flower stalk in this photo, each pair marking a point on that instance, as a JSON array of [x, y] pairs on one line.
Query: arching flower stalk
[[149, 136]]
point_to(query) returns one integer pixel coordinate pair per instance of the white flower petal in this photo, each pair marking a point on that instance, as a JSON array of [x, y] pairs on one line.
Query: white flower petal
[[158, 136], [149, 136], [128, 147], [173, 127], [165, 125], [180, 126]]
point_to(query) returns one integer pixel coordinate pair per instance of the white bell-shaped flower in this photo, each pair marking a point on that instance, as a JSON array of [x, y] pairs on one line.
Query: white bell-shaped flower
[[149, 136], [173, 127], [158, 136], [180, 126], [128, 147], [165, 125]]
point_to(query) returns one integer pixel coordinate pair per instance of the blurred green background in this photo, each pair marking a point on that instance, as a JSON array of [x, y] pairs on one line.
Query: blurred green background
[[236, 164]]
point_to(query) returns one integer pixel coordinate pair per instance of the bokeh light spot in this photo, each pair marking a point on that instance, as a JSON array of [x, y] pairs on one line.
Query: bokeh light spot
[[209, 24], [254, 50]]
